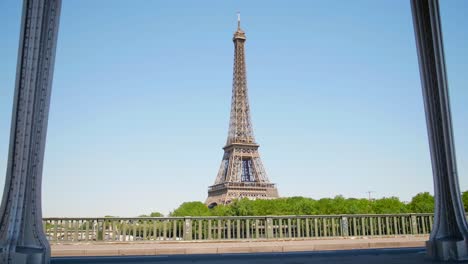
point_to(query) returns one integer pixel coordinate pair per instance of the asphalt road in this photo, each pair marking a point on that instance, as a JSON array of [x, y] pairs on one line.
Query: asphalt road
[[229, 247], [367, 256]]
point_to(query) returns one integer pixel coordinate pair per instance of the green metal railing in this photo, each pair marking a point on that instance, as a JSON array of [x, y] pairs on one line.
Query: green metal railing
[[234, 228]]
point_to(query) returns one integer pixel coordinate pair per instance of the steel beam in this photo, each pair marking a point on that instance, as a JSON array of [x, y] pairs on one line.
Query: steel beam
[[22, 238], [449, 236]]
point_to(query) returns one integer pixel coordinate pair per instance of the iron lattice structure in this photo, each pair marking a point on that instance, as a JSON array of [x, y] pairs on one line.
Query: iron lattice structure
[[241, 173]]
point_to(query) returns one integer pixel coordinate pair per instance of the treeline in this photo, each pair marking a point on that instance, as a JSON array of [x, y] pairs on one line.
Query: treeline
[[421, 203]]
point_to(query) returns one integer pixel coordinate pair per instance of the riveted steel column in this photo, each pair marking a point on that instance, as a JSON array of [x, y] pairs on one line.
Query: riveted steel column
[[22, 238], [448, 239]]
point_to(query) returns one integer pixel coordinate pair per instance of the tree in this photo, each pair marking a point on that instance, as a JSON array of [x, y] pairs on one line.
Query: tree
[[270, 207], [221, 210], [326, 206], [156, 214], [300, 206], [153, 214], [422, 203], [465, 200], [191, 209], [390, 205], [358, 206], [242, 207]]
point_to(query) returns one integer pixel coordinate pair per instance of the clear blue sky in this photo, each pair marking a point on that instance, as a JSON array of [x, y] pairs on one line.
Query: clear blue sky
[[142, 89]]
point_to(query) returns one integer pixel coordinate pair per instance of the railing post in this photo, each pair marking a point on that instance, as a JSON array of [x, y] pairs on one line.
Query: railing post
[[188, 228], [56, 236], [103, 229], [414, 225], [344, 226], [98, 232], [269, 227]]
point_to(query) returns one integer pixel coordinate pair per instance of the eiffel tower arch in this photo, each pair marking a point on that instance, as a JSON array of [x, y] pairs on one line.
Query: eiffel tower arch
[[241, 173]]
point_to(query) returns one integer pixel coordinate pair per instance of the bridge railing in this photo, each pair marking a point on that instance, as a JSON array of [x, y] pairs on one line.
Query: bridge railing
[[234, 228]]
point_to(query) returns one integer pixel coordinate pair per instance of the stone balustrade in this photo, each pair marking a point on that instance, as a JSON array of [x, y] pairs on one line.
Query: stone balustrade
[[113, 229]]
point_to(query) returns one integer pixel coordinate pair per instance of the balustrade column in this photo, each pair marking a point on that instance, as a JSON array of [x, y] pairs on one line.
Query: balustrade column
[[188, 228], [269, 227], [344, 226]]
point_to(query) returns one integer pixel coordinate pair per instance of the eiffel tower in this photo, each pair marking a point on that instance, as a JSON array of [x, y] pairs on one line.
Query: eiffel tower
[[241, 173]]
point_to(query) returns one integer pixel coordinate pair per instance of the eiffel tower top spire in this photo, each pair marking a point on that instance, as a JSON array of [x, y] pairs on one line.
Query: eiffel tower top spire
[[239, 34], [240, 124]]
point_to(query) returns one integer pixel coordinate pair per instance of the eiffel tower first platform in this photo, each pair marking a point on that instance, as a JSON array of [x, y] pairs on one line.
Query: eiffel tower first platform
[[241, 173]]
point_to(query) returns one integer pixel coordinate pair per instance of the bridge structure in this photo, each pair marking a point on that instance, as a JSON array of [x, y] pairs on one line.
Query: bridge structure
[[22, 235]]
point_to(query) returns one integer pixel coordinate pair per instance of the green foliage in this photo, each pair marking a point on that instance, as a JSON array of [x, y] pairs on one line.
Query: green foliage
[[156, 214], [465, 200], [242, 207], [295, 206], [191, 209], [391, 205], [48, 226], [153, 214], [222, 210], [423, 203], [300, 206], [358, 206], [420, 203]]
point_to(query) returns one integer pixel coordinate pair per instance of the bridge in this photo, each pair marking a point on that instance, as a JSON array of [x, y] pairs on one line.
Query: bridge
[[22, 237]]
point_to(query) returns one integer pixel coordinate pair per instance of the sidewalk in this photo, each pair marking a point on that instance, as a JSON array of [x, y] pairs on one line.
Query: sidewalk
[[203, 247]]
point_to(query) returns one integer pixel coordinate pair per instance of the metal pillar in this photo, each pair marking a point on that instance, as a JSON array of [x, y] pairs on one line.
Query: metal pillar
[[22, 238], [449, 236]]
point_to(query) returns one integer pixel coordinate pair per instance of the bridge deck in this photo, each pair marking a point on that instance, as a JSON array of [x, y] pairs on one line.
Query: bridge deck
[[182, 247], [381, 256]]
